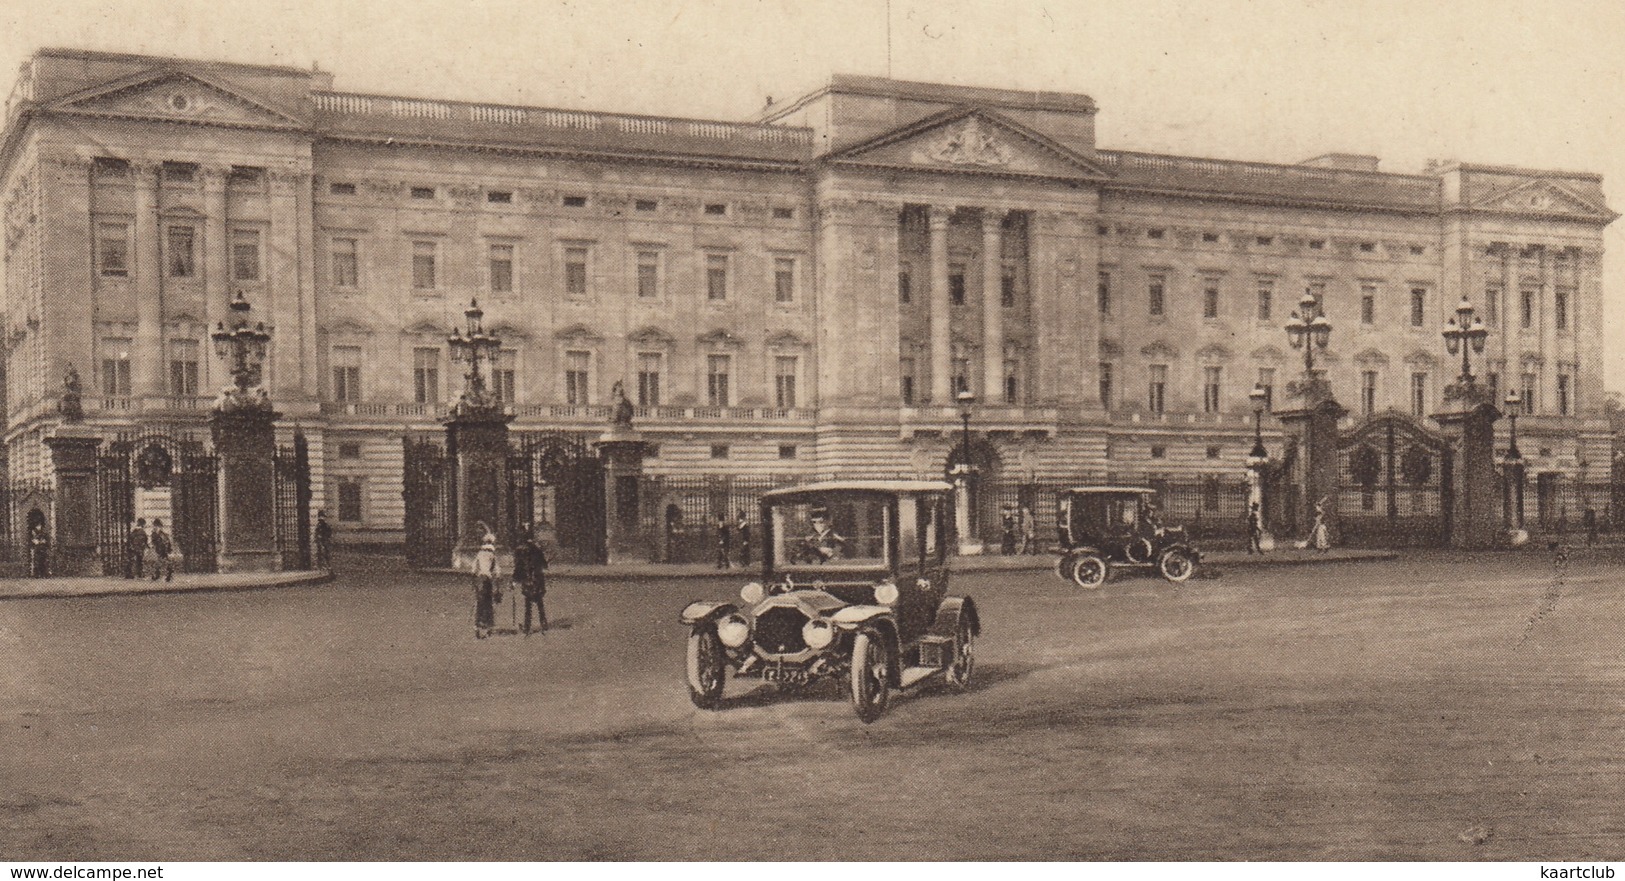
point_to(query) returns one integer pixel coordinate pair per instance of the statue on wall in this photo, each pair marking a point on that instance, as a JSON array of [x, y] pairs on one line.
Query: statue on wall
[[71, 405], [621, 416]]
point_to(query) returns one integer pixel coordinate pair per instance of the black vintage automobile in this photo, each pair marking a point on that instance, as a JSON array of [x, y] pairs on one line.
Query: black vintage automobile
[[1109, 527], [854, 587]]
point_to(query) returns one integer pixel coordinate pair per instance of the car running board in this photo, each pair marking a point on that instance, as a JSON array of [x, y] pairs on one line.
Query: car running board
[[913, 676]]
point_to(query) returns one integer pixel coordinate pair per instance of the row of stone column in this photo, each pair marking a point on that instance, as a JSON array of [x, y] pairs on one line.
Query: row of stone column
[[992, 311]]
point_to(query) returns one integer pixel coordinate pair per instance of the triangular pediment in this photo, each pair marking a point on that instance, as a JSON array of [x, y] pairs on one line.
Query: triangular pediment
[[972, 140], [1544, 197], [175, 96]]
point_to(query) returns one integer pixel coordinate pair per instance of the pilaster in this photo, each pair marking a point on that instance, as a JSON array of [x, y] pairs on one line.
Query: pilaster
[[941, 330], [146, 369]]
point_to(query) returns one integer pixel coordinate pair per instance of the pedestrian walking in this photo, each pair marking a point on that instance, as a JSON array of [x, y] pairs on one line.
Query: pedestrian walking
[[39, 551], [161, 546], [135, 549], [724, 543], [530, 577], [1008, 545], [1591, 526], [1320, 536], [1255, 530], [1029, 531], [743, 526], [485, 576], [324, 542]]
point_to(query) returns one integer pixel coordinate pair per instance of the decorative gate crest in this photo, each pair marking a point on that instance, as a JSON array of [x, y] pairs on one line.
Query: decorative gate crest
[[1395, 483]]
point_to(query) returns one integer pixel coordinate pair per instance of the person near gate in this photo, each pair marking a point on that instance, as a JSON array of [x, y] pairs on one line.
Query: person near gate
[[324, 541], [743, 527], [1320, 537], [162, 546], [1591, 526], [485, 576], [1029, 531], [1008, 521], [1255, 530], [724, 542], [530, 577], [39, 551], [135, 549]]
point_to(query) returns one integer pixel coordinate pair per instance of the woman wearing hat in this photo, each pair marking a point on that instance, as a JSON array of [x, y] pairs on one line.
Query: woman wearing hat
[[485, 576]]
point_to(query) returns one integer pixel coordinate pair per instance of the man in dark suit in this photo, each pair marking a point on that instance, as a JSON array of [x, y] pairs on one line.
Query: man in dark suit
[[530, 576], [135, 549]]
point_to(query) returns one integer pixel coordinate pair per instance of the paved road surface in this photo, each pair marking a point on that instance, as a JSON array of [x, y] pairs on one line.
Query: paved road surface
[[1436, 708]]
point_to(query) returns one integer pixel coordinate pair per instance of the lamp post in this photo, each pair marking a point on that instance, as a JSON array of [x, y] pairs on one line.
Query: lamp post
[[968, 545], [1514, 460], [1259, 457], [243, 426], [475, 348], [1464, 333], [1309, 330], [244, 347]]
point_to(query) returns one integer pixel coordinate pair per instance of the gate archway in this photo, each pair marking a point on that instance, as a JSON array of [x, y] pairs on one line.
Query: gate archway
[[556, 483], [171, 477], [1395, 483]]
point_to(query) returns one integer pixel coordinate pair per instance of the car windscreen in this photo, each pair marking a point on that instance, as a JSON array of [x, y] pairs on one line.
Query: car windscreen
[[840, 531]]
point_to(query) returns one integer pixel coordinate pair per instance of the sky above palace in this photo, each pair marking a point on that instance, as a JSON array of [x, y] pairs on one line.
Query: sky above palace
[[1484, 81]]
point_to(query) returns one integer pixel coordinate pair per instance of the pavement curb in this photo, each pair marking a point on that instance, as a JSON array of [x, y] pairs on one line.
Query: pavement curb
[[298, 579]]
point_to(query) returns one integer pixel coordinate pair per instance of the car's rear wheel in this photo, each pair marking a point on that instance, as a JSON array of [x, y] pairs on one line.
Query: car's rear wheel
[[707, 668], [1063, 567], [1089, 571], [963, 663], [1176, 565], [871, 675]]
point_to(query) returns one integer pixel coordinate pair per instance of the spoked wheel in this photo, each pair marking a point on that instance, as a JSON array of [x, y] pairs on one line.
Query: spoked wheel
[[871, 675], [707, 669], [1089, 571], [1176, 566], [964, 660]]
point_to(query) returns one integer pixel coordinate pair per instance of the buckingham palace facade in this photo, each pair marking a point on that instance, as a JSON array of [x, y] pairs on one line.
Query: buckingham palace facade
[[803, 294]]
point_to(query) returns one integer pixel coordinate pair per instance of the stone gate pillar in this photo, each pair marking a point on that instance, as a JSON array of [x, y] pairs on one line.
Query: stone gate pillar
[[622, 452], [1314, 426], [244, 431], [1475, 515], [73, 546], [477, 433]]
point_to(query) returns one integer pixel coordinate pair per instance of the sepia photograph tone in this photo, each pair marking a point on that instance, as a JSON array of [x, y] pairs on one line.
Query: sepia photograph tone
[[852, 430]]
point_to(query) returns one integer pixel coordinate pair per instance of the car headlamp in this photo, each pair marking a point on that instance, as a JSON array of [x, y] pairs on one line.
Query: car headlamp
[[734, 630], [753, 593], [818, 633], [886, 593]]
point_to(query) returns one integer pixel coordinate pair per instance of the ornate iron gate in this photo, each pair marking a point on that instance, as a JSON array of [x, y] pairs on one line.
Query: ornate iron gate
[[1395, 480], [293, 504], [153, 462], [428, 490], [556, 483]]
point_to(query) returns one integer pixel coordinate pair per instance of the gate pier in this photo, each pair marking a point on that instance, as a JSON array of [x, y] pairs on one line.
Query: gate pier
[[245, 440], [73, 456], [1475, 517], [477, 443]]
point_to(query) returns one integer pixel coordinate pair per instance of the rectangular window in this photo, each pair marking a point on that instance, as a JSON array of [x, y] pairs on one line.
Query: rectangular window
[[349, 499], [784, 279], [1210, 389], [245, 255], [423, 192], [787, 451], [1266, 296], [1266, 240], [183, 367], [905, 284], [349, 450], [1103, 293], [181, 261], [347, 373], [1012, 386], [501, 260], [716, 277], [245, 176], [905, 372], [646, 205], [113, 249], [784, 381], [784, 213], [650, 366], [1528, 317], [1560, 308], [105, 167], [648, 275], [1105, 384], [1562, 394], [1007, 287], [716, 209], [341, 189], [423, 265], [718, 369], [1419, 394], [179, 172], [575, 271], [1530, 385], [956, 284], [426, 375], [1492, 305], [1419, 299], [1266, 381], [1154, 233], [719, 451], [1154, 290], [1210, 299], [499, 197], [1368, 304], [1157, 394], [577, 377], [1368, 392], [116, 366], [575, 201], [503, 374], [346, 264]]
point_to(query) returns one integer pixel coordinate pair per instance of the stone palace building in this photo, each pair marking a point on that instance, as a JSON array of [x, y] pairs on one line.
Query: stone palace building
[[802, 294]]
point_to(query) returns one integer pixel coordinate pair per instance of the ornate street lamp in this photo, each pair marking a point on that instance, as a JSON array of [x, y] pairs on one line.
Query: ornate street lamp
[[1259, 455], [243, 345], [966, 399], [1308, 330], [962, 516], [1463, 332], [1514, 459], [475, 348]]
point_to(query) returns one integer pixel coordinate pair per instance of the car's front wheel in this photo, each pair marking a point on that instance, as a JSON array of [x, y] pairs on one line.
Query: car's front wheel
[[1176, 565], [964, 659], [707, 668], [871, 675], [1089, 571]]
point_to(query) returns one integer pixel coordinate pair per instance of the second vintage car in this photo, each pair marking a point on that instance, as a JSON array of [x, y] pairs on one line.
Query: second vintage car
[[1103, 528], [854, 588]]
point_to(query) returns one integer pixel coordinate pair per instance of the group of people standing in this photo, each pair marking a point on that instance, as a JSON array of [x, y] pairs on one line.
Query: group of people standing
[[1020, 531], [529, 578], [1320, 535], [725, 537], [150, 548]]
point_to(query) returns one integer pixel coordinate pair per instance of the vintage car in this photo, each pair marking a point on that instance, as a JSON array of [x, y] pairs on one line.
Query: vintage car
[[854, 586], [1109, 527]]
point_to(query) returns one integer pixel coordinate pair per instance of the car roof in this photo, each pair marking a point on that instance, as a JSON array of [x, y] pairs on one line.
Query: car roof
[[1122, 490], [882, 486]]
